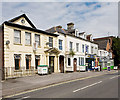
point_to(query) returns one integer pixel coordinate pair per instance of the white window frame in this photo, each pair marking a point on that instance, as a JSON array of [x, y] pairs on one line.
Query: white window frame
[[16, 37], [36, 41], [27, 39]]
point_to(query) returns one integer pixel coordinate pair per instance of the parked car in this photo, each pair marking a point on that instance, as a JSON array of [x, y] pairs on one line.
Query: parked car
[[115, 67]]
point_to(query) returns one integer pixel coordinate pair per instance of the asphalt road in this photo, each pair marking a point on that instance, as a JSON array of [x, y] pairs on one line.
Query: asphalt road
[[105, 86]]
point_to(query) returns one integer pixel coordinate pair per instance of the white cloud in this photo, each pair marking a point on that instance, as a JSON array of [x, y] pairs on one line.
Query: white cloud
[[45, 15]]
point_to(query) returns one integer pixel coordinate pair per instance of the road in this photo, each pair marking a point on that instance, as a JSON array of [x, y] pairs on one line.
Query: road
[[105, 86]]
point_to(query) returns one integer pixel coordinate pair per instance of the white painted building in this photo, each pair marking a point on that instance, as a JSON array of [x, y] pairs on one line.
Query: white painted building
[[73, 42], [105, 57]]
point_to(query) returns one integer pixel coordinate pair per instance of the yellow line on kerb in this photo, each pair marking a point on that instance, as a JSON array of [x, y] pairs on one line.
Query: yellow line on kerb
[[52, 85]]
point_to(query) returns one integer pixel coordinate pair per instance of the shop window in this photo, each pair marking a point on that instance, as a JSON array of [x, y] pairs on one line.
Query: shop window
[[82, 61]]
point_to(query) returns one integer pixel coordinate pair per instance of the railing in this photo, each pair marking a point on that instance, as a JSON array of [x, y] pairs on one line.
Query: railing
[[10, 72]]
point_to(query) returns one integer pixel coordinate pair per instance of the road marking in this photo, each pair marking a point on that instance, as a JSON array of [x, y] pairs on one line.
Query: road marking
[[29, 91], [25, 97], [114, 77], [87, 86]]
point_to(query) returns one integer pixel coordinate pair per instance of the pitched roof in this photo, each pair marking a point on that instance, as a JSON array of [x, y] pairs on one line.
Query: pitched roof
[[103, 38], [28, 28], [56, 29], [23, 15], [102, 43], [88, 36], [66, 32], [81, 33]]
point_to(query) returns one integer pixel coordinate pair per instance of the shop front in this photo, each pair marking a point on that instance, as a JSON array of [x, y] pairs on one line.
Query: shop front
[[90, 61]]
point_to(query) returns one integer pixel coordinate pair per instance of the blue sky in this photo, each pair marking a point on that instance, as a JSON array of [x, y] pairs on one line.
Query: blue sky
[[97, 18]]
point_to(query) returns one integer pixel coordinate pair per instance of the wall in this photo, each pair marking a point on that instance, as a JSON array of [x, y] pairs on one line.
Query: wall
[[22, 49]]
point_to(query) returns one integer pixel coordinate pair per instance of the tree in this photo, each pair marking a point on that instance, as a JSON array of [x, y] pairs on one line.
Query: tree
[[116, 50], [72, 53]]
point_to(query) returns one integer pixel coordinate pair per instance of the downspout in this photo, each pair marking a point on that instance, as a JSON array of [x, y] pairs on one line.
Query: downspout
[[3, 73]]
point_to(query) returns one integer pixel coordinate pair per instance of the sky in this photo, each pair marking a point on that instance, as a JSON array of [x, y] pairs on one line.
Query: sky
[[97, 18]]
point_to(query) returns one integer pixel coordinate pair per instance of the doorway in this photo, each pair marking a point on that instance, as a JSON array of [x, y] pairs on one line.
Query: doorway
[[51, 63], [61, 64], [37, 61], [75, 64]]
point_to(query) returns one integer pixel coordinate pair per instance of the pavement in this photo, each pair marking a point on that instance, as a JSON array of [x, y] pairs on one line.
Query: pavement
[[105, 86], [27, 83]]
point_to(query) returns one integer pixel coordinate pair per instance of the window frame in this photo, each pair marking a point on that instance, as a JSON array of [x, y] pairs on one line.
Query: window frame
[[17, 37], [83, 48], [77, 47], [19, 61], [69, 62], [51, 42], [92, 49], [27, 38], [71, 45], [60, 45], [82, 61], [39, 39], [79, 61]]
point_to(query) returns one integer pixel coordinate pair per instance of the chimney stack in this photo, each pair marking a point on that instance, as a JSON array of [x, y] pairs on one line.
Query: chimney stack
[[70, 26], [59, 26]]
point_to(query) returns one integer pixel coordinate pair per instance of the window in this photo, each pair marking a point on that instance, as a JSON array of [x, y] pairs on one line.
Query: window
[[82, 61], [50, 41], [79, 61], [83, 48], [100, 53], [87, 49], [91, 49], [77, 47], [27, 38], [17, 61], [71, 45], [28, 61], [109, 40], [37, 39], [69, 62], [60, 44], [17, 36]]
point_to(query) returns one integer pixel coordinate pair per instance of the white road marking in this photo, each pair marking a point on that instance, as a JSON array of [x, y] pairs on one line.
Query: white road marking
[[87, 86], [74, 80], [114, 77], [25, 97]]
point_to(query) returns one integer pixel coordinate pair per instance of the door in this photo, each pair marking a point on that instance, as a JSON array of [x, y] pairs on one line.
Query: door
[[51, 63], [75, 64], [61, 64], [37, 61]]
